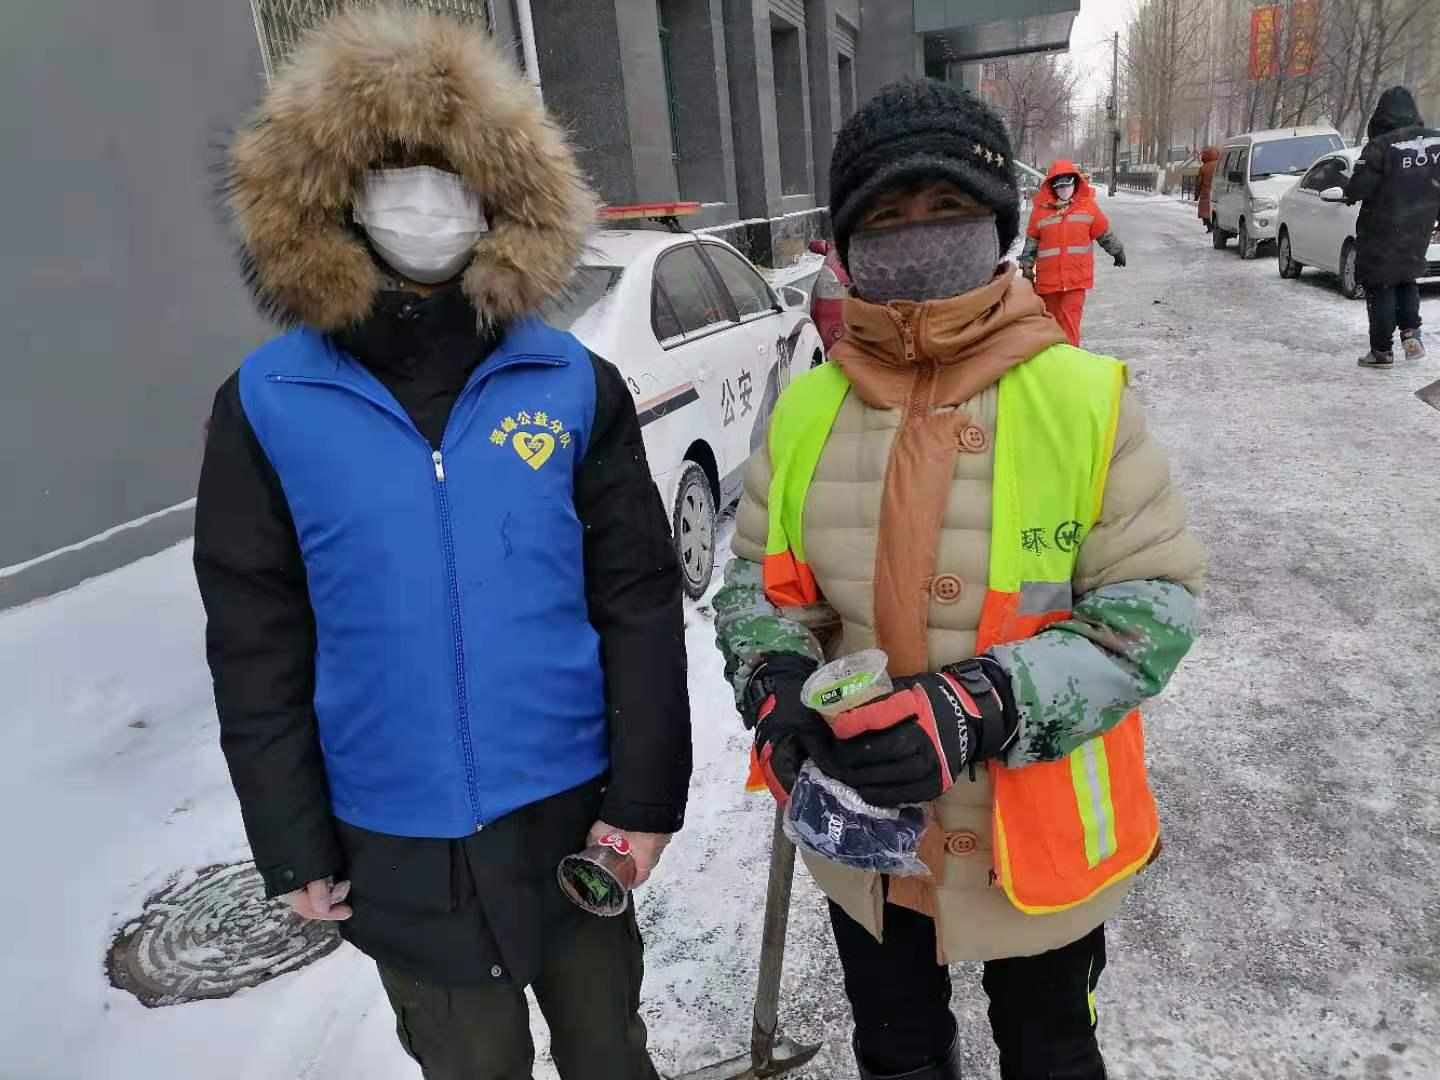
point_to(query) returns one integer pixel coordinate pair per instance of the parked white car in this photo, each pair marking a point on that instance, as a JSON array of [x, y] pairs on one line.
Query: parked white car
[[1317, 229], [1255, 170], [706, 346]]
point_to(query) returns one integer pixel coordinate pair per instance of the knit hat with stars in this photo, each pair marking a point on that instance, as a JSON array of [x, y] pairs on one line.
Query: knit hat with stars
[[922, 130]]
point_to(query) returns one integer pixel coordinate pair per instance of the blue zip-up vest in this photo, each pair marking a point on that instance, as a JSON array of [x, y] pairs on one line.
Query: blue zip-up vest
[[457, 676]]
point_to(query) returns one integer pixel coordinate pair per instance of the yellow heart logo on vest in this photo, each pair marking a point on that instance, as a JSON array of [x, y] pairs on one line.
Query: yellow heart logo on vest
[[534, 450]]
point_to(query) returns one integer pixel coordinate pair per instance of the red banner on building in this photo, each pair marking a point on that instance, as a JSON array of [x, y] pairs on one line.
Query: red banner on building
[[1304, 44], [1266, 24]]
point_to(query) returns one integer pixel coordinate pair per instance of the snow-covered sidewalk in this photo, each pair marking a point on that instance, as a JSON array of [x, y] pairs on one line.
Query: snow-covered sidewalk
[[1291, 929]]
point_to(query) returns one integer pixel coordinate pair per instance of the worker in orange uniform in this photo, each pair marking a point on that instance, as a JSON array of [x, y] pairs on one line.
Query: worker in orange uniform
[[1058, 256]]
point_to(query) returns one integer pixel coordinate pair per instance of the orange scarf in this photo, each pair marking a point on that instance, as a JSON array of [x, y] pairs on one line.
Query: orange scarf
[[915, 358]]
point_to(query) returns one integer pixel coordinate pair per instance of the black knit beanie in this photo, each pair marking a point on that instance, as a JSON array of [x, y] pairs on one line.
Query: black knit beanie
[[922, 130]]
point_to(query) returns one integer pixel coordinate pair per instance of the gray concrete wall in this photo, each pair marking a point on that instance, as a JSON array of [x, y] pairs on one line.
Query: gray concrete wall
[[119, 296], [889, 48], [602, 76], [505, 25], [707, 148], [646, 103], [584, 87], [792, 104], [752, 107], [825, 94]]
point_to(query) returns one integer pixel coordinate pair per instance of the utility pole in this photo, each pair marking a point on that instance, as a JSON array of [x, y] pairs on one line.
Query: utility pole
[[1114, 110]]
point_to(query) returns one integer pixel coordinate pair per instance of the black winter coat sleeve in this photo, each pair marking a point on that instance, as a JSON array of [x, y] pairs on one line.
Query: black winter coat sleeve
[[260, 640], [632, 584], [1369, 171]]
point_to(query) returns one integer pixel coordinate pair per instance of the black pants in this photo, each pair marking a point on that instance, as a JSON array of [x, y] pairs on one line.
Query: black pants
[[1041, 1007], [1390, 306], [588, 989]]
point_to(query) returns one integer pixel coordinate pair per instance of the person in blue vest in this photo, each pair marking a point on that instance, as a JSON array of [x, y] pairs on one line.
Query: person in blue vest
[[445, 621]]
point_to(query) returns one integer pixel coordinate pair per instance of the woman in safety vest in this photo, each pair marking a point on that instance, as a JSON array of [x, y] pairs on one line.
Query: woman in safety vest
[[1059, 245], [983, 502]]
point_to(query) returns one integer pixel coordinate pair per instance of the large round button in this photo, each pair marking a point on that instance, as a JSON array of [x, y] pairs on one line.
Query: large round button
[[973, 438], [947, 588], [961, 843]]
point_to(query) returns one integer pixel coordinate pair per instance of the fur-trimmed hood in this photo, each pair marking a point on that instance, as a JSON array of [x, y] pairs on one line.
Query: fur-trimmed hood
[[368, 80]]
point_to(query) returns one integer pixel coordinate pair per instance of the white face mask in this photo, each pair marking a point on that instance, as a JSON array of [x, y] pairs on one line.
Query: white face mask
[[422, 221], [1065, 190]]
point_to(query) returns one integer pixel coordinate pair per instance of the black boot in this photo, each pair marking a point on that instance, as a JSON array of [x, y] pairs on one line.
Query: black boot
[[947, 1068]]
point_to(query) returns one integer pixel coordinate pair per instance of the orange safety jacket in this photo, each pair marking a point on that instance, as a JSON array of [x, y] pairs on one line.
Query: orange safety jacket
[[1066, 234], [1064, 830]]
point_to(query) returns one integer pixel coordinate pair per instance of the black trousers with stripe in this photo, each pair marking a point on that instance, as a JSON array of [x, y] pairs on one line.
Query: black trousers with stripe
[[1041, 1007]]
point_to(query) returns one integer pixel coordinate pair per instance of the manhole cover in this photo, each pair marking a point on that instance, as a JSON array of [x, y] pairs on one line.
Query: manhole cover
[[210, 935]]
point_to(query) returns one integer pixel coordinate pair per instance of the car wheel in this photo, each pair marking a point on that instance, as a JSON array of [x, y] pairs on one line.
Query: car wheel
[[1289, 268], [1349, 284], [1248, 248], [693, 522], [1218, 236]]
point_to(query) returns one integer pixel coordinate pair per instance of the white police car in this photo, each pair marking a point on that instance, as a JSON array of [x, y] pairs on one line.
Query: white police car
[[706, 346]]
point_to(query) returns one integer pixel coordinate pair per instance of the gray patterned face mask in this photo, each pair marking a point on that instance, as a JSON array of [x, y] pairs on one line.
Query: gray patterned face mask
[[924, 260]]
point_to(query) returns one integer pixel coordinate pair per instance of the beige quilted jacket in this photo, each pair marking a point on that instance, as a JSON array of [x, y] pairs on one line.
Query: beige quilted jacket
[[1139, 543]]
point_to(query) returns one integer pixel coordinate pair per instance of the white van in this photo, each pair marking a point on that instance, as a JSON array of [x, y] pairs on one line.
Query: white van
[[1253, 172]]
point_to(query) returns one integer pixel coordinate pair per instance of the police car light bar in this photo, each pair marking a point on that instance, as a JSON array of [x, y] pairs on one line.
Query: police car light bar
[[667, 214]]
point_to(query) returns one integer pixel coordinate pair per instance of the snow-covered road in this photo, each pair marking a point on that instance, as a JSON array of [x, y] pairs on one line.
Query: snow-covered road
[[1291, 930]]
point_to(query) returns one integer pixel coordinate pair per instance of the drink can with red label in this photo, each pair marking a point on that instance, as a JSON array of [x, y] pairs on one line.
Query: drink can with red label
[[599, 878]]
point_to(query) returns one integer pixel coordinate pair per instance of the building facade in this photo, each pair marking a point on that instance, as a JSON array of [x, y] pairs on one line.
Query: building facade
[[733, 104], [122, 300]]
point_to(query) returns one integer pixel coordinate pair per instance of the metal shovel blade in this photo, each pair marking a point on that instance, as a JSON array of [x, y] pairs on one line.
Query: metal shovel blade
[[771, 1053], [786, 1054], [1430, 394]]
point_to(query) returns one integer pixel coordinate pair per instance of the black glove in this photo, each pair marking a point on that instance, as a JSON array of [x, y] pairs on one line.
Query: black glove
[[786, 732], [1120, 257], [912, 745]]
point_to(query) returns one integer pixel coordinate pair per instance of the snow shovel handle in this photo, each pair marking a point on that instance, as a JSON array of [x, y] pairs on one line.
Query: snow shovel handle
[[772, 942]]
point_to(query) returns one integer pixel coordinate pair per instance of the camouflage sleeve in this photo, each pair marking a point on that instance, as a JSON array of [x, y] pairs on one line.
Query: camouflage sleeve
[[1027, 257], [1081, 677], [748, 627], [1137, 575], [1111, 243]]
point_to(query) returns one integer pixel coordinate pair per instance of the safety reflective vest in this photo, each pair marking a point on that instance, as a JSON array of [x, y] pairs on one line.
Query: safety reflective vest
[[1065, 258], [1064, 830]]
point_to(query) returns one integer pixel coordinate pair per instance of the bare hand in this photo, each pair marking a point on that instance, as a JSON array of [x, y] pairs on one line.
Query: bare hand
[[321, 900], [645, 847]]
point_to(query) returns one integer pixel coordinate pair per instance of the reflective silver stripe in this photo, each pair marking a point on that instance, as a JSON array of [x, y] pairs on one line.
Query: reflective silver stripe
[[1103, 847], [1082, 217], [1043, 597], [1083, 249], [1047, 253], [1056, 220]]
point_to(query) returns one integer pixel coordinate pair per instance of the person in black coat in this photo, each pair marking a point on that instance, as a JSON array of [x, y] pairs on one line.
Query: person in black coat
[[445, 618], [1397, 184]]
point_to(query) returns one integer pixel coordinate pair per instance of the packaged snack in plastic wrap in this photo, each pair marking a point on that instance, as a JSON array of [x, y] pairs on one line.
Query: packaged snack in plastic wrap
[[830, 819], [847, 683]]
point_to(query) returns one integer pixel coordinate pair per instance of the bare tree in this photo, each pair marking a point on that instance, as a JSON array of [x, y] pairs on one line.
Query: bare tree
[[1190, 70], [1166, 67], [1035, 94], [1370, 43]]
